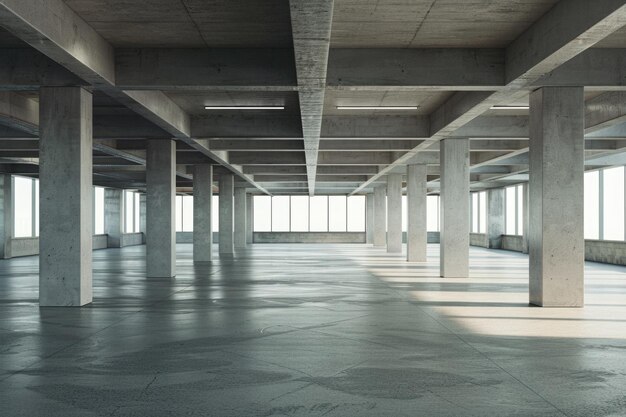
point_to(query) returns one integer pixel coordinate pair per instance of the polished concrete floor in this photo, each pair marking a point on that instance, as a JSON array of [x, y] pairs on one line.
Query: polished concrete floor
[[311, 330]]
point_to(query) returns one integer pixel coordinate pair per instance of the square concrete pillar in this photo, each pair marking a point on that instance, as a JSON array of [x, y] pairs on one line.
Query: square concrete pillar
[[227, 188], [6, 223], [495, 217], [394, 213], [142, 217], [369, 218], [556, 162], [114, 216], [65, 196], [455, 208], [160, 208], [202, 213], [249, 219], [240, 217], [417, 236], [380, 216]]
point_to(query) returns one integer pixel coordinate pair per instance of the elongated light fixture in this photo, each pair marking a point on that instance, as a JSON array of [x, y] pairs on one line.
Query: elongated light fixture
[[510, 107], [377, 107], [244, 107]]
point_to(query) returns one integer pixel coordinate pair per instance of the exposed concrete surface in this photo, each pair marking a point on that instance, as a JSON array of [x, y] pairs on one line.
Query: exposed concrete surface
[[309, 237], [240, 218], [365, 334], [202, 213], [454, 208], [226, 217], [113, 216], [65, 196], [416, 213], [556, 233], [394, 213], [160, 208], [6, 214], [380, 216], [495, 217]]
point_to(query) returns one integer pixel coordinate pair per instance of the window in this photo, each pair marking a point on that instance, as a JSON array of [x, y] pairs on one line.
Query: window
[[337, 213], [262, 213], [356, 213], [131, 215], [613, 204], [299, 213], [479, 212], [514, 210], [432, 213], [592, 205], [604, 204], [184, 213], [215, 213], [98, 210], [25, 207], [309, 214], [318, 214], [280, 214]]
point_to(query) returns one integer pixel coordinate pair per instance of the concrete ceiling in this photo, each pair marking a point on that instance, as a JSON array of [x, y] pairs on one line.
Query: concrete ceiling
[[454, 59]]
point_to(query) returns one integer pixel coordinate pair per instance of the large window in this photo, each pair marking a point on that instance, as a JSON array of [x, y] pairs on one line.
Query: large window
[[25, 207], [131, 212], [98, 210], [432, 213], [514, 210], [184, 213], [479, 212], [309, 214], [604, 204]]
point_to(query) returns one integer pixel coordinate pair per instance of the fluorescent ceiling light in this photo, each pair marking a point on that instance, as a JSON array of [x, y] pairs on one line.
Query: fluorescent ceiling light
[[244, 107], [377, 107], [510, 107]]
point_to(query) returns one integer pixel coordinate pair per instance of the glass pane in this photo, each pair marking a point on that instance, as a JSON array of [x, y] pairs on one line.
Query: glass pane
[[510, 211], [482, 203], [262, 213], [614, 203], [136, 214], [187, 213], [356, 213], [99, 211], [128, 212], [592, 205], [520, 210], [299, 213], [318, 207], [280, 214], [432, 213], [179, 213], [337, 213], [405, 213], [215, 213], [474, 212], [36, 203], [23, 206]]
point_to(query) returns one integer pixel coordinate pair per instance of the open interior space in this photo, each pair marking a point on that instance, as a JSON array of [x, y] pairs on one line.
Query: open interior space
[[313, 208]]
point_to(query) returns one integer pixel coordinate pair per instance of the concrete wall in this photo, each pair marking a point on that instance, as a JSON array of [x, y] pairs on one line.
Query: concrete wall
[[187, 237], [29, 246], [309, 237], [479, 239], [604, 251]]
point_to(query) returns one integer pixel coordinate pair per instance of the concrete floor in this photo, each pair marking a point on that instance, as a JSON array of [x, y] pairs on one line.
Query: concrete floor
[[295, 330]]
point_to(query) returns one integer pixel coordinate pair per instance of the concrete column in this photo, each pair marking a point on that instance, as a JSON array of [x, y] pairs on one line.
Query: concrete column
[[380, 216], [240, 217], [394, 213], [525, 219], [227, 183], [114, 216], [417, 237], [556, 162], [369, 218], [142, 216], [160, 209], [65, 196], [249, 219], [6, 224], [455, 208], [202, 213], [495, 217]]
